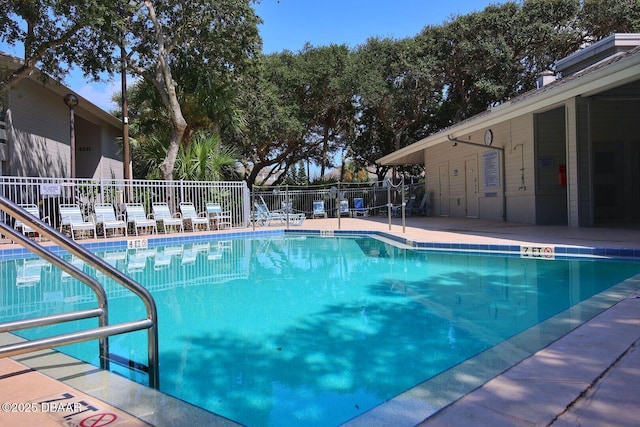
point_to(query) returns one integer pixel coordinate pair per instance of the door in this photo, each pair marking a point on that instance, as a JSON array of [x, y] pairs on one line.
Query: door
[[471, 186], [609, 182], [443, 187]]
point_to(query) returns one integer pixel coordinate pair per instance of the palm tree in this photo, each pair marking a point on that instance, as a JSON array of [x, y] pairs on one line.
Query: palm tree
[[205, 158]]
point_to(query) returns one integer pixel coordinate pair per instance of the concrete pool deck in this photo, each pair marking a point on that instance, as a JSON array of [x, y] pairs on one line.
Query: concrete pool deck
[[590, 376]]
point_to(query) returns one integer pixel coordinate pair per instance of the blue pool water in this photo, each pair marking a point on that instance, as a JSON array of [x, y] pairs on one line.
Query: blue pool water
[[310, 331]]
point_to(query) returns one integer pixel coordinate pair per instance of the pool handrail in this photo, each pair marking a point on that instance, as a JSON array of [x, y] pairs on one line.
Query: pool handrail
[[103, 331]]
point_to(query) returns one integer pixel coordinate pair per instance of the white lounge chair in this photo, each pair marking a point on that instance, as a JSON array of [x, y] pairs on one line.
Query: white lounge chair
[[106, 217], [35, 211], [138, 217], [343, 208], [318, 209], [217, 216], [161, 213], [263, 216], [191, 218], [71, 218], [288, 214]]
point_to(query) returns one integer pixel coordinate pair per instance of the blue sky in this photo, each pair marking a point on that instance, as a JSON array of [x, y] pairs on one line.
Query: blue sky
[[289, 24]]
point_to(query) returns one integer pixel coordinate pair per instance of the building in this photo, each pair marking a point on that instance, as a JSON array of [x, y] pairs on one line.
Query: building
[[566, 153], [35, 132]]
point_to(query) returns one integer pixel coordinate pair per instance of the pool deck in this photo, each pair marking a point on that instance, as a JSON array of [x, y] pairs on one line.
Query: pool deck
[[589, 377]]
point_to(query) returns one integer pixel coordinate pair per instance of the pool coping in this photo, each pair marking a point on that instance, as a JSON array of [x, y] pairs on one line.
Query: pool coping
[[540, 251]]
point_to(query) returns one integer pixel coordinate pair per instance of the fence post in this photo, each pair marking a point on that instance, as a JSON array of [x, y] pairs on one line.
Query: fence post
[[337, 206], [389, 204], [253, 195], [286, 202], [403, 206]]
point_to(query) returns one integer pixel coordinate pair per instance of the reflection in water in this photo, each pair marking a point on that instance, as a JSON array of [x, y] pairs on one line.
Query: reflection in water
[[309, 330]]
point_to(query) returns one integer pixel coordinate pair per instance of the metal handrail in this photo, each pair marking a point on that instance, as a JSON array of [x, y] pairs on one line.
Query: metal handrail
[[104, 330]]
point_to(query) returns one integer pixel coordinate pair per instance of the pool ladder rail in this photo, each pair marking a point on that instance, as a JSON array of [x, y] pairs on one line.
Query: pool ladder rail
[[104, 330]]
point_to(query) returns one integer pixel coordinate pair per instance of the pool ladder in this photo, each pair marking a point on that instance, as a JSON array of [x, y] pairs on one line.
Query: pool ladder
[[104, 330]]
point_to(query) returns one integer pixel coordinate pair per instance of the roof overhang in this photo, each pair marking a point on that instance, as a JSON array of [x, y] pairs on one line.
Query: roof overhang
[[58, 88], [616, 74]]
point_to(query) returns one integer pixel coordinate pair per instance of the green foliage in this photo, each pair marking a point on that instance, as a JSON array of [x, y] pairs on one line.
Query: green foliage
[[205, 158], [599, 18], [202, 70], [297, 175], [54, 35]]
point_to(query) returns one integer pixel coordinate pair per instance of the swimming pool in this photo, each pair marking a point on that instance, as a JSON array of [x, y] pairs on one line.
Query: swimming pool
[[305, 330]]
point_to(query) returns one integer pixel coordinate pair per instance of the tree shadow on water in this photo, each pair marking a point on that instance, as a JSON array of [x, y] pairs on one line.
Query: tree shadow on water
[[332, 366]]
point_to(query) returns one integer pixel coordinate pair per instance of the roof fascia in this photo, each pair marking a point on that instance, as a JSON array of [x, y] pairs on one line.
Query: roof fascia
[[616, 74]]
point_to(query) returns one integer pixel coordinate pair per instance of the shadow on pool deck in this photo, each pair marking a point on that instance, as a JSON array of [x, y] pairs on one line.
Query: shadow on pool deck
[[589, 377]]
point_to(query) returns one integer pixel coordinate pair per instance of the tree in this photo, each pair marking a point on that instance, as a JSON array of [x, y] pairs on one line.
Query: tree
[[491, 56], [600, 18], [213, 38], [397, 83], [53, 33], [272, 141], [327, 101]]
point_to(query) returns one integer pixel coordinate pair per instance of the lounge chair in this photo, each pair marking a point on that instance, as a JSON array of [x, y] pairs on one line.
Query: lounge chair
[[318, 209], [425, 204], [358, 208], [24, 228], [289, 215], [106, 217], [396, 211], [161, 213], [71, 218], [343, 208], [263, 216], [138, 217], [191, 219], [217, 216]]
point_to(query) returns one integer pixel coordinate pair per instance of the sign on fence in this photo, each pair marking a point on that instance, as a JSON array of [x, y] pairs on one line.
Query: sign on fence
[[50, 189]]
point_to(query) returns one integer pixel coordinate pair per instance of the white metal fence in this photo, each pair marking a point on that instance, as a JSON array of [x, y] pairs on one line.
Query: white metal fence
[[376, 196], [50, 193]]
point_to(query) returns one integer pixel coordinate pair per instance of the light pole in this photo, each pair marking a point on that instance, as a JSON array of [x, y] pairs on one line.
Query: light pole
[[126, 157], [125, 116], [71, 101]]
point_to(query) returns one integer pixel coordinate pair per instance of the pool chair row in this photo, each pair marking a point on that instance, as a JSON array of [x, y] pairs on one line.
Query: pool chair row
[[343, 208], [213, 218], [104, 221]]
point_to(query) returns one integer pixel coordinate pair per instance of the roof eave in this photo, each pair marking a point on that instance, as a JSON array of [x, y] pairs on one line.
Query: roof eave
[[614, 75]]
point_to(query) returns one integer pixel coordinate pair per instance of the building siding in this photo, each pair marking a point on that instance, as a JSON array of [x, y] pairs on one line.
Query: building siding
[[39, 132]]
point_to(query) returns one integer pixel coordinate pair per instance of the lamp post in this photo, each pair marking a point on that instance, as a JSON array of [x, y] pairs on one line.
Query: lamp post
[[126, 156], [125, 116], [71, 101]]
